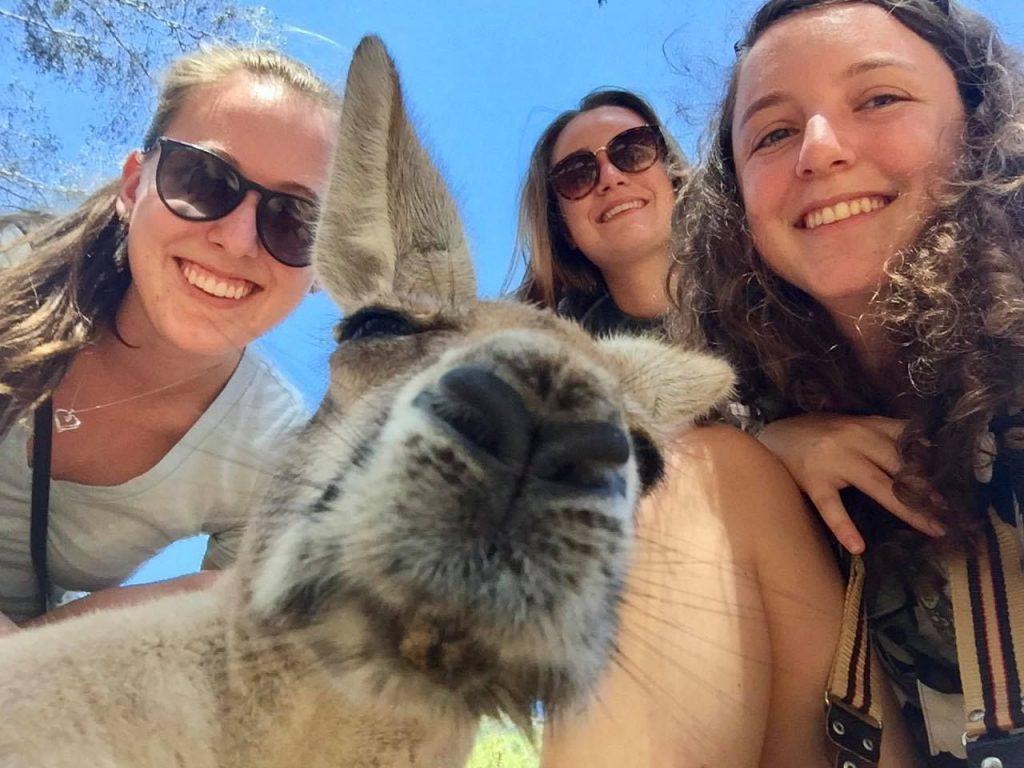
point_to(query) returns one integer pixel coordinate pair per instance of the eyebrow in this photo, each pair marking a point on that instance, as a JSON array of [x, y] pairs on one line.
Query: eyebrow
[[774, 98], [289, 187]]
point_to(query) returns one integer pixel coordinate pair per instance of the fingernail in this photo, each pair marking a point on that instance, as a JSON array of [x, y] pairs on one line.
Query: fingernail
[[937, 529], [855, 547]]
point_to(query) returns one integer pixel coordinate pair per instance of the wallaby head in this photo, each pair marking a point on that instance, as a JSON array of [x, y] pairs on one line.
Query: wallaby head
[[453, 537]]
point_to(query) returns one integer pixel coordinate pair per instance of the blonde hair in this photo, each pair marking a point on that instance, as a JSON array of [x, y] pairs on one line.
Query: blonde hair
[[54, 301]]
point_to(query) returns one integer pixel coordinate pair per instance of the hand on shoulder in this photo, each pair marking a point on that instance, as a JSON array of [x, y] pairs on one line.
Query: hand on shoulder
[[827, 452]]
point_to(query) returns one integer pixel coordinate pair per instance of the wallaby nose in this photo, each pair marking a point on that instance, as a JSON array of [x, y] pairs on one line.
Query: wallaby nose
[[491, 414], [581, 454], [486, 411]]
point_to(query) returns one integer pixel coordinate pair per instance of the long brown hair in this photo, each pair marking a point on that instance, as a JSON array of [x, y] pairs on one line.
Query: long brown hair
[[55, 300], [953, 306], [555, 269]]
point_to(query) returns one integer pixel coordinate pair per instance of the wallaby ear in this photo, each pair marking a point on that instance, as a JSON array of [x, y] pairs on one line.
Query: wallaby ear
[[666, 387], [388, 224]]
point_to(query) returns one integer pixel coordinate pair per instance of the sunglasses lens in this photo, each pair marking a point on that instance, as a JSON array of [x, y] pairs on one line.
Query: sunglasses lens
[[635, 150], [196, 185], [575, 176], [286, 228]]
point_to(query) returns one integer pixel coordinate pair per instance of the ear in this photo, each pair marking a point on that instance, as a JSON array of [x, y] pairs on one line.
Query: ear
[[388, 223], [128, 188], [665, 387]]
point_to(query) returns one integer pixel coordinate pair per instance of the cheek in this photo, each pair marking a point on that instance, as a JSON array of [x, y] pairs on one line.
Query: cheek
[[662, 186], [288, 288], [762, 194], [572, 218], [752, 209], [149, 235]]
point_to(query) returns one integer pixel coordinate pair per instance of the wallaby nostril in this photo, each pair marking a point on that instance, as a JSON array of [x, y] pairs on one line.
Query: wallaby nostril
[[486, 410], [581, 453]]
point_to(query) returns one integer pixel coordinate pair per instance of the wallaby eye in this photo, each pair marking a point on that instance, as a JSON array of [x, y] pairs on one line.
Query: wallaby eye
[[649, 463], [374, 321]]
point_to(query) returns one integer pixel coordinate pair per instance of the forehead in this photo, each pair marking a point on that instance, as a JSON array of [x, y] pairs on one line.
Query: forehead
[[272, 133], [593, 129], [821, 45]]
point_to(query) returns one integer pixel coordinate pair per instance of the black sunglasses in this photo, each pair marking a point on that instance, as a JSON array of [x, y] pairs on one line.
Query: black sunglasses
[[197, 185], [632, 151]]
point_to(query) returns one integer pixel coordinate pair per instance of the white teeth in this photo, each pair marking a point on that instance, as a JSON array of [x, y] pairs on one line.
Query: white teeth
[[617, 209], [207, 283], [843, 210]]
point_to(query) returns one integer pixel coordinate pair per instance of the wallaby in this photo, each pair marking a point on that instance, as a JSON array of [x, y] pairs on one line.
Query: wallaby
[[449, 537]]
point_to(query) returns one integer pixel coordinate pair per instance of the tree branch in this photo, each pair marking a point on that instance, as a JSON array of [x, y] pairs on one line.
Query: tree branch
[[52, 30]]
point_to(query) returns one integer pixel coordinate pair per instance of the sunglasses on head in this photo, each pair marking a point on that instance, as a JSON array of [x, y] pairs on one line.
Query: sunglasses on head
[[197, 185], [632, 151]]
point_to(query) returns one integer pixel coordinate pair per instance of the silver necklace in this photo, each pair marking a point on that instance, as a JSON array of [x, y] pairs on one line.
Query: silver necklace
[[68, 419]]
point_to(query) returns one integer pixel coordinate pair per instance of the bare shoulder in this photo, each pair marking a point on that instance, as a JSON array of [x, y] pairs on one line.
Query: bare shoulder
[[730, 456], [718, 478]]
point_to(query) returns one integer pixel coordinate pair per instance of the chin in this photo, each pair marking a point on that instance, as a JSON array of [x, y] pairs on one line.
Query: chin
[[208, 340]]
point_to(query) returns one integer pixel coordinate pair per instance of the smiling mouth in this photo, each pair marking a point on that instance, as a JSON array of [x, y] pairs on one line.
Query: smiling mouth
[[621, 208], [830, 214], [215, 285]]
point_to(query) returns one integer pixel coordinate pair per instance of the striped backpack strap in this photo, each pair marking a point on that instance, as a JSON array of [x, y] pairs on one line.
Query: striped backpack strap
[[988, 609], [853, 716]]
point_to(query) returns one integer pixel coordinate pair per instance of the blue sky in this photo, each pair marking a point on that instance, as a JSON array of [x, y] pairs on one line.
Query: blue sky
[[482, 80]]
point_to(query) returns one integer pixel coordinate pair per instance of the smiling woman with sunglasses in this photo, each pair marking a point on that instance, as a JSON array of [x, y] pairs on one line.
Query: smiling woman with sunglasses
[[596, 210], [131, 316]]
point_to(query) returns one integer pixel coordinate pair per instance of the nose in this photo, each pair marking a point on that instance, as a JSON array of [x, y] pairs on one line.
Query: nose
[[608, 175], [236, 233], [491, 414], [487, 411], [822, 150]]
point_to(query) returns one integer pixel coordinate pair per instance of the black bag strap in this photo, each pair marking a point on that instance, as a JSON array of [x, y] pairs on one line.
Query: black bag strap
[[41, 454]]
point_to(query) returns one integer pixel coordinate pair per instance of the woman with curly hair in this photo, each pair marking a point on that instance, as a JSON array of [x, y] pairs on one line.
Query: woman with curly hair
[[595, 213], [854, 243], [125, 327]]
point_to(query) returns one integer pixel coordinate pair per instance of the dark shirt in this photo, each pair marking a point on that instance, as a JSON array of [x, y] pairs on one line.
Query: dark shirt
[[601, 316]]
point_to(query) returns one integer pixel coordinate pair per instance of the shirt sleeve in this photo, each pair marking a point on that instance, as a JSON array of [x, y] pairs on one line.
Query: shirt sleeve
[[251, 450]]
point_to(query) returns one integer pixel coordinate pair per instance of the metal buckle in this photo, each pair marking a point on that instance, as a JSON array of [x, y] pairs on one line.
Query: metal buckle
[[855, 734]]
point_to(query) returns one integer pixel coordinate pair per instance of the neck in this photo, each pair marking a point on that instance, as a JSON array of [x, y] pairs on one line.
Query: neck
[[287, 709], [639, 289], [871, 349]]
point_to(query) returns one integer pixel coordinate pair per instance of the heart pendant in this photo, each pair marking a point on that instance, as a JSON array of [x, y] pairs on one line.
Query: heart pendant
[[65, 419]]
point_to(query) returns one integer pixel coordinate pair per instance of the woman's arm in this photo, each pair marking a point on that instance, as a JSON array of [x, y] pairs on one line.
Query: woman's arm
[[728, 627], [115, 597]]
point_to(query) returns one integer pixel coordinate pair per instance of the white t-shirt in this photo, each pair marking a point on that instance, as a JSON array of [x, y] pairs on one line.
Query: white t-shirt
[[209, 482]]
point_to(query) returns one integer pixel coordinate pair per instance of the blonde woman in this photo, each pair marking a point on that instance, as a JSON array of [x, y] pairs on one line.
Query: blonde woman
[[133, 314]]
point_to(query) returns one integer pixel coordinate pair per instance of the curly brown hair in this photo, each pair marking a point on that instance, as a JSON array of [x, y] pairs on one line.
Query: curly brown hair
[[556, 270], [952, 308], [55, 300]]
